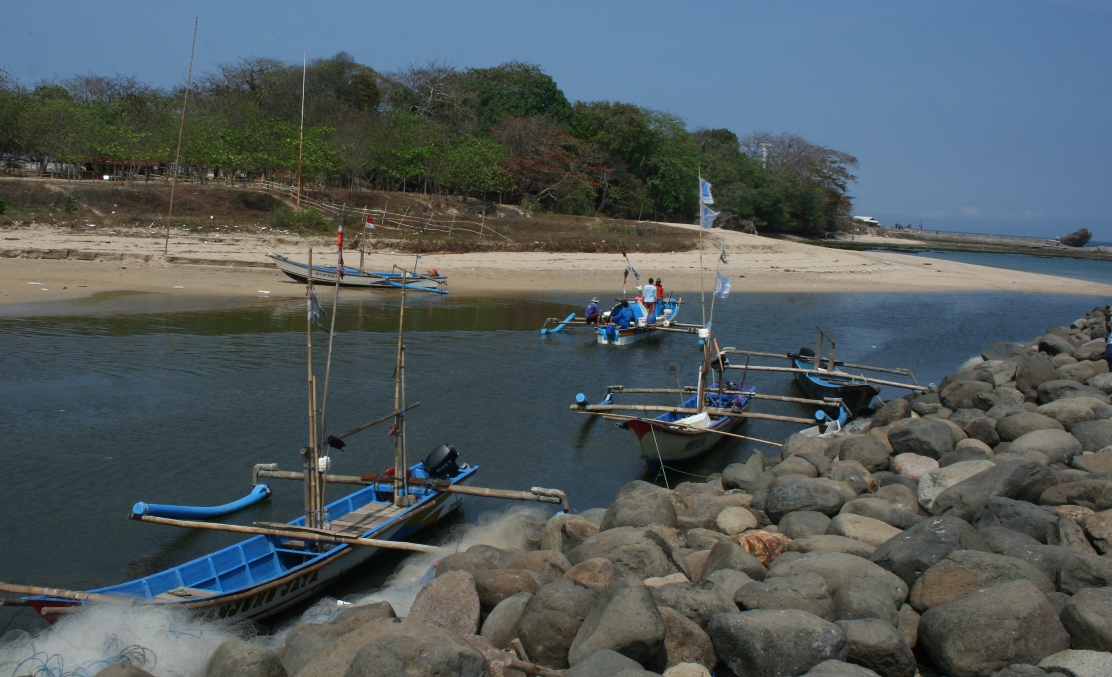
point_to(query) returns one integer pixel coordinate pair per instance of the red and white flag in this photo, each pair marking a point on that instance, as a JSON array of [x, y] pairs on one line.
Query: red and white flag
[[369, 223], [340, 254]]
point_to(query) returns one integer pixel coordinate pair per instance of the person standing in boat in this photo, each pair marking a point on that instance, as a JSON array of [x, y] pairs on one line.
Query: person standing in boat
[[648, 297], [660, 290], [593, 313]]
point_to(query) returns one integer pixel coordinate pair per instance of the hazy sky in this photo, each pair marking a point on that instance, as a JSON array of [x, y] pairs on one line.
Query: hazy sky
[[970, 115]]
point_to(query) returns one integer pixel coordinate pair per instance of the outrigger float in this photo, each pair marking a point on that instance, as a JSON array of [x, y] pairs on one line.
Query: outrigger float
[[282, 564]]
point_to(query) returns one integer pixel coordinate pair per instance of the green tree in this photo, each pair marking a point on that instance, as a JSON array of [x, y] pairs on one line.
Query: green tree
[[516, 89]]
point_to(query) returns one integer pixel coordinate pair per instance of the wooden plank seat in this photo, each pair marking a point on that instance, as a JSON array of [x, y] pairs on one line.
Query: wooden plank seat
[[364, 519]]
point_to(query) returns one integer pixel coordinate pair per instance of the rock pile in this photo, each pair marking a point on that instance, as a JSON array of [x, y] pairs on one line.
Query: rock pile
[[966, 532]]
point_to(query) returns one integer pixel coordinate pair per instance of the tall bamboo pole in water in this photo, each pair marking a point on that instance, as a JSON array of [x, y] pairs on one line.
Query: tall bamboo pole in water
[[402, 498], [310, 463], [181, 131], [328, 361]]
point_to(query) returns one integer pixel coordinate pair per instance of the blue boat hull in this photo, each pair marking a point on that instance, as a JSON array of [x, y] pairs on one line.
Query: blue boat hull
[[855, 394]]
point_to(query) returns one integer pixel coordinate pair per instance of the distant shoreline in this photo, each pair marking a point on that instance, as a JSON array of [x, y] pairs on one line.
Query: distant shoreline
[[914, 240]]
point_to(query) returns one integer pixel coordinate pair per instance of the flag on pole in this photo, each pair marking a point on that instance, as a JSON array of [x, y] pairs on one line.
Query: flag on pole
[[704, 192], [721, 285], [722, 254], [315, 311], [369, 223], [629, 269], [707, 217], [340, 254]]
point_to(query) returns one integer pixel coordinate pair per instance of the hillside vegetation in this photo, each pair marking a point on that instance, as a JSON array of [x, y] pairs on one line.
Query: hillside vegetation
[[505, 134]]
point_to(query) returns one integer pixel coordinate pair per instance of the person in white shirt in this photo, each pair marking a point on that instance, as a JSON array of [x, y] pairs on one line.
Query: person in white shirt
[[648, 297]]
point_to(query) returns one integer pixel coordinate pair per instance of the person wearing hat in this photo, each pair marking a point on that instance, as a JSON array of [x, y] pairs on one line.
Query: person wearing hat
[[593, 313]]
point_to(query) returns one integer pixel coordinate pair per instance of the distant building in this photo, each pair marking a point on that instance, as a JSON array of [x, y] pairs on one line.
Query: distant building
[[866, 221]]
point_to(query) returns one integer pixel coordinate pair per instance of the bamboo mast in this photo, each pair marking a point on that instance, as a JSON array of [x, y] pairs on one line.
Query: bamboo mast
[[322, 435], [402, 498], [301, 132], [181, 131], [310, 452]]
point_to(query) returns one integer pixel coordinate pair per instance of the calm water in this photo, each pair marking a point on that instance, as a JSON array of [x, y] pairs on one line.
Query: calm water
[[174, 404], [1081, 269]]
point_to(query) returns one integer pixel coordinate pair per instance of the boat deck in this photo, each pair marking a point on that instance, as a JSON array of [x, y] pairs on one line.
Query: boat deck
[[361, 520]]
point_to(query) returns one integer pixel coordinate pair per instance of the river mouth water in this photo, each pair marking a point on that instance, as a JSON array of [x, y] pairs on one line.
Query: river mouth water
[[171, 399]]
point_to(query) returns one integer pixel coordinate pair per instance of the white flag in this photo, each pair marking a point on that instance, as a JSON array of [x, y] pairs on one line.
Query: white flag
[[721, 286], [369, 223], [707, 217], [704, 192]]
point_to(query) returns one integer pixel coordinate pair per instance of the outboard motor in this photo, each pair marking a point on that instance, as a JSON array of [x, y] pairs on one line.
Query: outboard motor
[[806, 352], [441, 463]]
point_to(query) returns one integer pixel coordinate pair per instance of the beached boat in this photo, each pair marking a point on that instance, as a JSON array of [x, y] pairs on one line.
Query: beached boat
[[353, 277], [856, 394]]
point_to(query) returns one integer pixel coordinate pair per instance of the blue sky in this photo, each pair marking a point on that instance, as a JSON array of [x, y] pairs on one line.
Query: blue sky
[[970, 115]]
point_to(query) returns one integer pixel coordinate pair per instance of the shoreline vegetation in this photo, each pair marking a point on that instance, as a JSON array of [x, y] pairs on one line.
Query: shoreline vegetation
[[111, 238]]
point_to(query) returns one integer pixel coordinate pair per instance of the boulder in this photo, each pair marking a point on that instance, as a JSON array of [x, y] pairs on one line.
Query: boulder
[[983, 429], [741, 476], [790, 496], [609, 663], [729, 581], [552, 564], [966, 571], [1102, 382], [934, 482], [450, 600], [892, 411], [831, 543], [1003, 371], [501, 624], [1098, 462], [417, 647], [999, 539], [833, 668], [236, 658], [1084, 571], [1094, 494], [640, 504], [639, 552], [697, 601], [499, 557], [1083, 370], [795, 465], [624, 619], [960, 395], [913, 466], [897, 515], [1022, 479], [899, 494], [730, 555], [864, 599], [1033, 372], [838, 570], [497, 584], [735, 520], [596, 573], [1013, 427], [1087, 617], [1049, 559], [686, 642], [806, 592], [1002, 350], [703, 539], [1060, 389], [926, 437], [987, 630], [552, 618], [1058, 446], [799, 443], [782, 642], [1098, 527], [876, 645], [924, 405], [907, 624], [803, 523], [1054, 344], [865, 450], [565, 532], [854, 474], [1044, 524], [463, 561], [1093, 435], [1070, 411], [763, 544], [864, 529], [1078, 663], [922, 546]]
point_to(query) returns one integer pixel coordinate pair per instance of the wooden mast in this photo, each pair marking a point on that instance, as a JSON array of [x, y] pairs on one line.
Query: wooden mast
[[322, 435], [310, 453], [402, 497], [181, 131]]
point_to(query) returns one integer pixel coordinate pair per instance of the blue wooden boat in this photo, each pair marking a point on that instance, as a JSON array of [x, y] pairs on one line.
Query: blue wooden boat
[[643, 326], [353, 277], [856, 395]]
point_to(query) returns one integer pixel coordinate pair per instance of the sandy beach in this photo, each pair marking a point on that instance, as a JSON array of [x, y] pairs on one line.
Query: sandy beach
[[40, 263]]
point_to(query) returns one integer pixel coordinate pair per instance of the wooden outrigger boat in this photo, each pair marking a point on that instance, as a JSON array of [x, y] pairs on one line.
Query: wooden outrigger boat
[[282, 564], [643, 326], [675, 436], [355, 277]]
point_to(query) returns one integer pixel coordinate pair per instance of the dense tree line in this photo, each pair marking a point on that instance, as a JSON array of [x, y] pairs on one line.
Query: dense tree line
[[505, 133]]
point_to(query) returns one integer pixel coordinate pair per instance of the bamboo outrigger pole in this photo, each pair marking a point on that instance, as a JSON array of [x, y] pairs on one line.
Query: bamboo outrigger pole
[[839, 374], [181, 131], [804, 358], [621, 417], [714, 411]]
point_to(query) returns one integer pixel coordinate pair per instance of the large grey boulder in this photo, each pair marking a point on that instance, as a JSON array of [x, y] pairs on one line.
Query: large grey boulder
[[309, 643], [901, 514], [565, 532], [596, 573], [892, 411], [1055, 344], [856, 599], [1078, 663], [624, 619], [640, 504], [1033, 371], [740, 476], [960, 395], [1049, 559], [1092, 494], [497, 584], [1093, 435], [778, 643], [987, 630], [806, 592], [551, 620], [924, 436], [1084, 571], [450, 600], [966, 571], [552, 564], [867, 451], [1058, 446], [730, 555], [1098, 527], [1023, 479], [697, 601], [999, 539], [463, 561], [686, 642], [876, 645], [1043, 523], [501, 624], [983, 429], [639, 552], [803, 523], [1059, 389], [789, 496], [417, 647], [236, 658], [838, 569], [924, 545], [934, 482], [1070, 411], [608, 663], [865, 529], [1097, 462], [833, 668], [1013, 427], [1087, 617], [831, 543], [1002, 350]]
